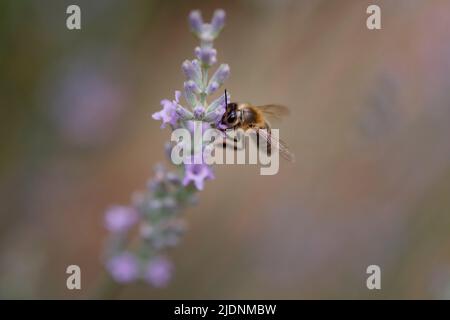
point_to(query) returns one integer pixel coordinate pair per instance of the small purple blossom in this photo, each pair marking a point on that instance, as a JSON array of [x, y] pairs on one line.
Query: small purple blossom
[[197, 172], [120, 218], [123, 267], [159, 272], [199, 112], [207, 55], [168, 114]]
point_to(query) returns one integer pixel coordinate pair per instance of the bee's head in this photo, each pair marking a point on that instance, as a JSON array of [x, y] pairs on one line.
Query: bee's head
[[230, 117]]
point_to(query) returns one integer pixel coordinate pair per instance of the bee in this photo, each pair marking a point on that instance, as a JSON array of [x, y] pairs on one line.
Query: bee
[[246, 116]]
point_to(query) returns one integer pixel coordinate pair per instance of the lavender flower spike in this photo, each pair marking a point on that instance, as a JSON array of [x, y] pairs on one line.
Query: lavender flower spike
[[155, 212]]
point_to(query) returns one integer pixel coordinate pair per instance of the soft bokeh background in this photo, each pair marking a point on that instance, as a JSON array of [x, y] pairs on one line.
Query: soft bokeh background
[[370, 127]]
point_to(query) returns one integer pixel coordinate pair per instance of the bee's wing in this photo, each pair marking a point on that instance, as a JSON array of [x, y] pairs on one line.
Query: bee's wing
[[274, 111], [277, 144]]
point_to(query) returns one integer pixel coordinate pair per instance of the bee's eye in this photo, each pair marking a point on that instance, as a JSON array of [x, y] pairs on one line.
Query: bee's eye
[[231, 117]]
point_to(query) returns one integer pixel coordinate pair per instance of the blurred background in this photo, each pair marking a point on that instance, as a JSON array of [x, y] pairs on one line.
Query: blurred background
[[370, 128]]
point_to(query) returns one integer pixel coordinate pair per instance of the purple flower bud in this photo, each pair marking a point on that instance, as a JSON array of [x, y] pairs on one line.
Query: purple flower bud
[[159, 272], [190, 91], [193, 86], [183, 113], [215, 115], [197, 173], [218, 21], [123, 267], [192, 71], [212, 87], [196, 21], [199, 112], [197, 66], [218, 103], [206, 55], [120, 218], [221, 74]]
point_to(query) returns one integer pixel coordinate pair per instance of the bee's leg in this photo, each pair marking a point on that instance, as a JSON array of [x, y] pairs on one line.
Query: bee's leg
[[231, 144]]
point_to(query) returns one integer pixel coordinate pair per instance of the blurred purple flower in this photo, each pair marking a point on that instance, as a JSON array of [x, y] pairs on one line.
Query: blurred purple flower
[[120, 218], [159, 272], [123, 267], [218, 21], [196, 21]]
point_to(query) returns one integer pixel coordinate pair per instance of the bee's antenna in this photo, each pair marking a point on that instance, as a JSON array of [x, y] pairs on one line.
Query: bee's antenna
[[226, 98]]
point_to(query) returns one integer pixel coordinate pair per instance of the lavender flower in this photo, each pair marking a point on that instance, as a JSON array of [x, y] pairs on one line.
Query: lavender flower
[[192, 71], [120, 218], [218, 21], [206, 55], [123, 268], [159, 272], [218, 78], [191, 89], [196, 21], [168, 114], [197, 173], [156, 210], [199, 112], [207, 32]]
